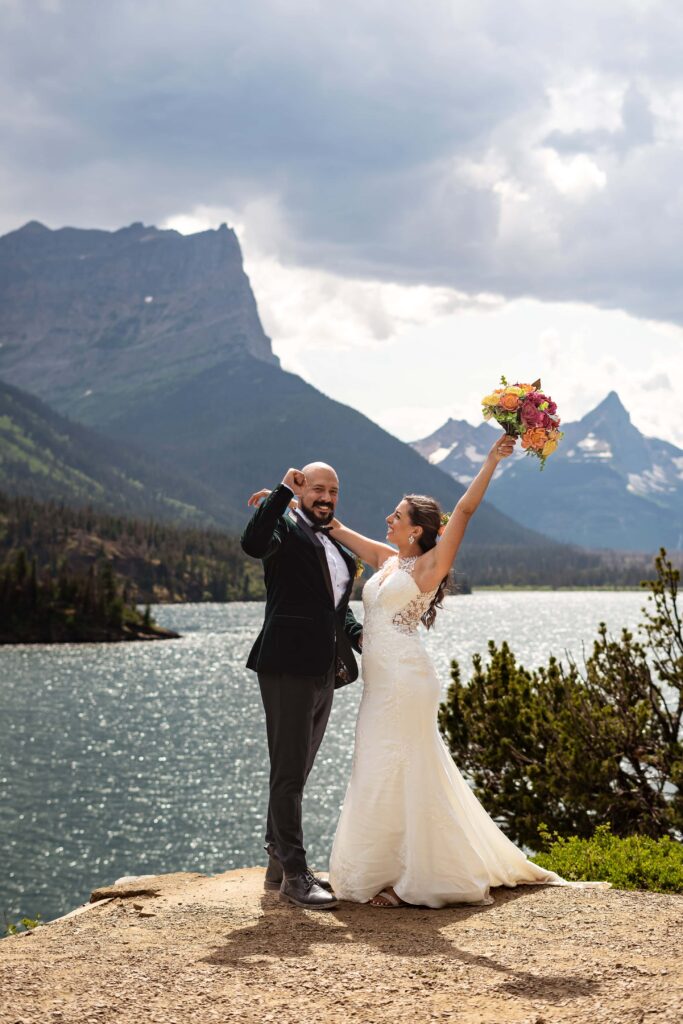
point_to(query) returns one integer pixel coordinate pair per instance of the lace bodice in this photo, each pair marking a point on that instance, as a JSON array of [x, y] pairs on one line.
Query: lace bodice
[[392, 596]]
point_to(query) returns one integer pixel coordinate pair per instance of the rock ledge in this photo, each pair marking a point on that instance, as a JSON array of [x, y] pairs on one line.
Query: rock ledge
[[167, 949]]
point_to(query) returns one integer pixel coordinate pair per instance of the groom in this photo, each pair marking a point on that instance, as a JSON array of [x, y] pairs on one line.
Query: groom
[[301, 655]]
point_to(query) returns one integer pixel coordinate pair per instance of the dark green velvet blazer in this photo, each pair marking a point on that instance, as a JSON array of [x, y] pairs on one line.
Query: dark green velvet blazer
[[302, 630]]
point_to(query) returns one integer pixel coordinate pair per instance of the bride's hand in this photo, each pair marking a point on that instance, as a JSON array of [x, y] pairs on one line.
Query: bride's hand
[[503, 447], [258, 496]]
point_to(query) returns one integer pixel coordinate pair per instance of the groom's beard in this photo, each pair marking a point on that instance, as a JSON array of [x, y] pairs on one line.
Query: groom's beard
[[320, 512]]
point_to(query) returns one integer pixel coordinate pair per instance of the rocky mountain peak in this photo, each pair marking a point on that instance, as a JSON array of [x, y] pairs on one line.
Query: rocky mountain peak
[[612, 408], [616, 487], [32, 227], [90, 318]]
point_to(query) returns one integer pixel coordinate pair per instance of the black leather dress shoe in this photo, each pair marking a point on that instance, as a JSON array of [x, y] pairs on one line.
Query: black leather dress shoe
[[303, 891], [275, 874]]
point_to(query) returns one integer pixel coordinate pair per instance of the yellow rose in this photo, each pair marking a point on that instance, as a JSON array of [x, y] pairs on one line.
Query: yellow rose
[[490, 400], [512, 389], [548, 448]]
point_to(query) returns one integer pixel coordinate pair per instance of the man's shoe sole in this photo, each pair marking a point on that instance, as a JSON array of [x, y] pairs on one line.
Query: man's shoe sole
[[332, 905]]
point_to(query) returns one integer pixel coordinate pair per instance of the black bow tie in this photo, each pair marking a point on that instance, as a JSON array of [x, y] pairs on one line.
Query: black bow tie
[[318, 528]]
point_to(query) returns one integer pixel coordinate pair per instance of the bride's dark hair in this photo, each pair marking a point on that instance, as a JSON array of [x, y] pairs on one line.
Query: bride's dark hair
[[426, 512]]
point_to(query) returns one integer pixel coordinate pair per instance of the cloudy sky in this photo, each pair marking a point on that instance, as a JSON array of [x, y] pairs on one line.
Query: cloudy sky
[[427, 195]]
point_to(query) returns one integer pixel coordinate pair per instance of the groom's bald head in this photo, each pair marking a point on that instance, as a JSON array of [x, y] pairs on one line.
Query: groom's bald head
[[319, 468], [320, 493]]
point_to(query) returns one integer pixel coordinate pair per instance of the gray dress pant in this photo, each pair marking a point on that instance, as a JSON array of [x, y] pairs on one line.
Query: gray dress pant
[[297, 709]]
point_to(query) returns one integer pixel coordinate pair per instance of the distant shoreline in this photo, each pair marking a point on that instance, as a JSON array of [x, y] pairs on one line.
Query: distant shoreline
[[475, 590], [522, 586]]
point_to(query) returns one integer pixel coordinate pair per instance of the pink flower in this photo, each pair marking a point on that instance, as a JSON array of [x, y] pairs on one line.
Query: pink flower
[[530, 414]]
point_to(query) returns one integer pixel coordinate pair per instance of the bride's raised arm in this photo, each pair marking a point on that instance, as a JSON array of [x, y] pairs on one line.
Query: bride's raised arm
[[437, 562]]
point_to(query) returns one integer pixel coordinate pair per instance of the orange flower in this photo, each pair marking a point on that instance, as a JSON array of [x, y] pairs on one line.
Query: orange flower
[[509, 402], [536, 438]]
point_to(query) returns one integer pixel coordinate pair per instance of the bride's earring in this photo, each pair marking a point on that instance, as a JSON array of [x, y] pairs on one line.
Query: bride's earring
[[411, 540]]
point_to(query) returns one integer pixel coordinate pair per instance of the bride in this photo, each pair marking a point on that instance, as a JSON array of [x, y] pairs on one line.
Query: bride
[[411, 830]]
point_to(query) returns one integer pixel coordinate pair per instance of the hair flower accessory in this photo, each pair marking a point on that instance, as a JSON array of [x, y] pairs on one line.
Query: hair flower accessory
[[444, 523], [524, 411]]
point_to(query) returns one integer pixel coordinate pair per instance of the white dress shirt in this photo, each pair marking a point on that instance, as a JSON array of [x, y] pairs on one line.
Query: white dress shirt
[[339, 572]]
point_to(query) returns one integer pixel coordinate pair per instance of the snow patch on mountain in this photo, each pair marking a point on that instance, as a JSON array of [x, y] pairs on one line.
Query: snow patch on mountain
[[649, 481], [594, 447], [473, 455], [440, 454]]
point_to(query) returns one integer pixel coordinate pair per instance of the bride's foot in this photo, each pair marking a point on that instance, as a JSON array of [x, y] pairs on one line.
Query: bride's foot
[[387, 898]]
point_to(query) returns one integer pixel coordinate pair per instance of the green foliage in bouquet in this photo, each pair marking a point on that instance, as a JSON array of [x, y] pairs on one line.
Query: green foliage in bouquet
[[577, 748], [632, 862]]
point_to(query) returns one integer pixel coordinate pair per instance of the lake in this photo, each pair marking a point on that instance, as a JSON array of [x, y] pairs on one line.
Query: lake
[[142, 758]]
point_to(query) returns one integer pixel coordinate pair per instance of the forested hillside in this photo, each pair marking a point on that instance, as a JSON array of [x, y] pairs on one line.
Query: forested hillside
[[159, 562]]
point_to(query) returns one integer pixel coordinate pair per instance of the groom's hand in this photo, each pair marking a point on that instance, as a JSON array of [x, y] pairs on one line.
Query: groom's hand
[[295, 480]]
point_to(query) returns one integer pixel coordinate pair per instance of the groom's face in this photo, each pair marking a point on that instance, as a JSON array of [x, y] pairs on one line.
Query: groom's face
[[320, 494]]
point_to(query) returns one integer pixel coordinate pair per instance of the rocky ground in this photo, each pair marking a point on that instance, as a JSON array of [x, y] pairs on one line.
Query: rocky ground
[[168, 949]]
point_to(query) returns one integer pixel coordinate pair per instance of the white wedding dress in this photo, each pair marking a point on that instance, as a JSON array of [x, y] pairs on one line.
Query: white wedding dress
[[409, 819]]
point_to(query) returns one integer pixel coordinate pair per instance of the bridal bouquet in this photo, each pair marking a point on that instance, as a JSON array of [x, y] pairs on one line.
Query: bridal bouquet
[[524, 411]]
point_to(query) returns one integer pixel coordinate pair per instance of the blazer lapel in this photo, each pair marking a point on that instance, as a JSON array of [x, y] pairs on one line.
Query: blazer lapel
[[319, 550]]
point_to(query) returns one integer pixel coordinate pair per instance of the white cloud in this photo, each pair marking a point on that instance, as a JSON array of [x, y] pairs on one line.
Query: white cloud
[[578, 177], [409, 356], [508, 149], [586, 102], [392, 172]]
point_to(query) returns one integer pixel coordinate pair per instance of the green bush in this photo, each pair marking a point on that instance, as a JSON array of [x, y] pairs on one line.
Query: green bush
[[634, 862], [25, 924], [579, 747]]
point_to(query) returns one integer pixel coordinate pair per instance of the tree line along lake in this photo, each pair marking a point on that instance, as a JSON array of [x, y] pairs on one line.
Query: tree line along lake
[[143, 758]]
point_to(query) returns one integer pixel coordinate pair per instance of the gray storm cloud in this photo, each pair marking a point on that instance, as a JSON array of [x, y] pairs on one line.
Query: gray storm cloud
[[523, 149]]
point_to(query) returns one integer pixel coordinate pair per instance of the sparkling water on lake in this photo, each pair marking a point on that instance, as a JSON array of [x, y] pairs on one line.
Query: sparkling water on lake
[[143, 758]]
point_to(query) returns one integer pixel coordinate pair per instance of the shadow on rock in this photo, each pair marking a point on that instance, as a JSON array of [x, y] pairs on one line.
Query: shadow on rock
[[286, 933]]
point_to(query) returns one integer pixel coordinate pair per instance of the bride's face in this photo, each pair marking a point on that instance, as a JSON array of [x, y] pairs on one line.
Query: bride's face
[[399, 527]]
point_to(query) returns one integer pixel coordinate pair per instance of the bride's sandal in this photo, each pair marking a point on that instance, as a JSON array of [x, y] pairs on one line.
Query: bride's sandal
[[387, 900]]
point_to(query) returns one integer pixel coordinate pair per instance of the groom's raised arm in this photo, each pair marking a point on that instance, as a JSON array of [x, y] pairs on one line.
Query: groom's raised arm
[[265, 530]]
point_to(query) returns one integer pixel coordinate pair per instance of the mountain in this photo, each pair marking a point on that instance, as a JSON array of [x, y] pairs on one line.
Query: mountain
[[47, 456], [154, 339], [242, 424], [95, 321], [458, 448], [606, 485]]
